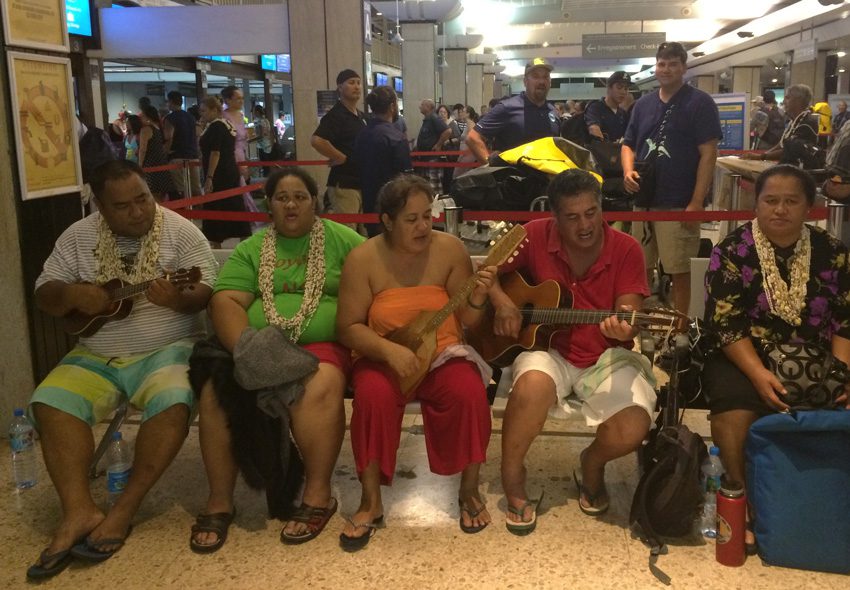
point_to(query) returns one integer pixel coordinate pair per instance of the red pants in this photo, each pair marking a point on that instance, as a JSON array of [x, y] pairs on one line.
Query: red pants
[[454, 409]]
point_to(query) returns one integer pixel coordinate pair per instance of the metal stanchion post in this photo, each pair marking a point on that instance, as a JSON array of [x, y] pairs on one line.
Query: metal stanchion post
[[735, 199], [835, 217], [187, 179]]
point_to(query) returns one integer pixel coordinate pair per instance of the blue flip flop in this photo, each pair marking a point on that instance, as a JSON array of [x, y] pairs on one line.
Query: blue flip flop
[[91, 551]]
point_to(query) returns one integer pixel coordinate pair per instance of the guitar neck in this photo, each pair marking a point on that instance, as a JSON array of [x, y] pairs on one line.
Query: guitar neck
[[566, 316], [452, 304], [127, 291]]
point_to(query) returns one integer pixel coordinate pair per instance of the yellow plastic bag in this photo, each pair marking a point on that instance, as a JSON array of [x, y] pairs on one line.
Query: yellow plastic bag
[[550, 155], [825, 119]]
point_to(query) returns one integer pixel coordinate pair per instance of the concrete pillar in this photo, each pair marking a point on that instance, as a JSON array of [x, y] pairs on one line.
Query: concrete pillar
[[489, 89], [819, 89], [326, 37], [454, 77], [706, 83], [418, 66], [843, 83], [803, 73], [16, 363], [475, 85], [747, 79]]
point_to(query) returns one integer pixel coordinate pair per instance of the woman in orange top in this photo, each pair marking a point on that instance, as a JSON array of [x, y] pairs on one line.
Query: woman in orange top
[[386, 282]]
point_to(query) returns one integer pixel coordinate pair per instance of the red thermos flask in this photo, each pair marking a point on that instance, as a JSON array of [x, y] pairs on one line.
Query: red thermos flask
[[731, 524]]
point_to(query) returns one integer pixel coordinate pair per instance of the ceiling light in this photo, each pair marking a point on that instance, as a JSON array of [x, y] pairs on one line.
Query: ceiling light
[[745, 34], [396, 38], [545, 44], [774, 80], [841, 53], [841, 71], [379, 13], [547, 23]]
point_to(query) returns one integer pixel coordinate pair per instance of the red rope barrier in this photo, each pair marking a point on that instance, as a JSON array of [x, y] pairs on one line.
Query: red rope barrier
[[231, 192], [817, 214]]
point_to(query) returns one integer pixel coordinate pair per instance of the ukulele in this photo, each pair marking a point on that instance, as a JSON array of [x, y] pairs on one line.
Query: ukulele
[[420, 335], [544, 313], [121, 296]]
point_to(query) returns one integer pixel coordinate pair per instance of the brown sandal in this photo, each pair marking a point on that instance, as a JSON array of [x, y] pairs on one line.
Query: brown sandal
[[315, 519]]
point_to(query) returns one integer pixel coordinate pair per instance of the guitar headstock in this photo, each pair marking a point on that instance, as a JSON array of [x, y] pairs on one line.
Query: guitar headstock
[[183, 277], [663, 320], [506, 246]]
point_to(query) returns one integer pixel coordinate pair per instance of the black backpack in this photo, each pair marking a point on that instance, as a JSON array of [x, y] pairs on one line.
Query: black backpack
[[575, 130], [669, 496]]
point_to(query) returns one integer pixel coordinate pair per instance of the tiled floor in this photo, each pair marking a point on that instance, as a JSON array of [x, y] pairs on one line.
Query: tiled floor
[[422, 546]]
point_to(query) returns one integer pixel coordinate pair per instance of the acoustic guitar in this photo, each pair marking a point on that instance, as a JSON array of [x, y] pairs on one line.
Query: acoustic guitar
[[121, 296], [544, 312], [420, 336]]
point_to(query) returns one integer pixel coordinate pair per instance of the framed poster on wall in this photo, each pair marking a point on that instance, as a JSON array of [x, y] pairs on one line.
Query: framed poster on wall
[[39, 24], [45, 131]]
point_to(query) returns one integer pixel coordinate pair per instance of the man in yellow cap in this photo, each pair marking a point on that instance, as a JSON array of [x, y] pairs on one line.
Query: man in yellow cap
[[518, 119]]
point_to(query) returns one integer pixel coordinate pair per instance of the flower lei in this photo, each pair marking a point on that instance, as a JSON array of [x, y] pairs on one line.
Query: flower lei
[[785, 302], [313, 285], [108, 256]]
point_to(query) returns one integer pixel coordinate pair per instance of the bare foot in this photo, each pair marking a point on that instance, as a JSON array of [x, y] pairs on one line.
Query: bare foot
[[355, 526], [213, 507], [116, 525], [473, 512], [73, 528]]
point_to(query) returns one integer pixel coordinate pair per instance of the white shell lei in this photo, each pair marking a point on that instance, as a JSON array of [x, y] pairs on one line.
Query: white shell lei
[[108, 256], [313, 285], [785, 302]]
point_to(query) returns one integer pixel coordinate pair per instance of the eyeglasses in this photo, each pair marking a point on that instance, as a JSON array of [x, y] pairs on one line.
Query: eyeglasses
[[297, 198]]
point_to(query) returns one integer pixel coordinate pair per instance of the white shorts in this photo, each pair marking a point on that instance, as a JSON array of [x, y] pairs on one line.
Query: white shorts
[[626, 386]]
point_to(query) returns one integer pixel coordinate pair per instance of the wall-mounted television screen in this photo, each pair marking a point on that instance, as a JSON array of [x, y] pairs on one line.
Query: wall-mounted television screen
[[222, 58], [78, 15], [381, 79], [398, 85], [279, 62]]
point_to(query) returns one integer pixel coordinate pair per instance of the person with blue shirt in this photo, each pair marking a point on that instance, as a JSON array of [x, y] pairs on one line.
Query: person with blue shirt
[[381, 149], [518, 119], [684, 168]]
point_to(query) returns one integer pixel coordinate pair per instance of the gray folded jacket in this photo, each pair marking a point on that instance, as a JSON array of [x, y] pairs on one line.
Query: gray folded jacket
[[267, 361]]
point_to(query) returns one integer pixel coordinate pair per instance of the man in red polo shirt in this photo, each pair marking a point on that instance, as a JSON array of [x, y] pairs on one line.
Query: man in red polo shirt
[[589, 368]]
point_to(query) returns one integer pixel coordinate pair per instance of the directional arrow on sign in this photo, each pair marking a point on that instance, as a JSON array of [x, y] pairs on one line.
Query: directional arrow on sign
[[590, 48]]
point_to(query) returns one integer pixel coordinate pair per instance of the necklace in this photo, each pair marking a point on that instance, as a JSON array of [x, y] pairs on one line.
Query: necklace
[[313, 285], [108, 256], [785, 301]]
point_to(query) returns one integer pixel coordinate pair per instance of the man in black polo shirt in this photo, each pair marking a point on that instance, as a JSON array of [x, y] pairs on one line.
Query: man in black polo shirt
[[334, 139], [605, 118], [181, 144], [518, 119]]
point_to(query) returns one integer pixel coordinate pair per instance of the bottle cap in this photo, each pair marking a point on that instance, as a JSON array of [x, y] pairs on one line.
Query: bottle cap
[[18, 412], [714, 451], [116, 436], [732, 489]]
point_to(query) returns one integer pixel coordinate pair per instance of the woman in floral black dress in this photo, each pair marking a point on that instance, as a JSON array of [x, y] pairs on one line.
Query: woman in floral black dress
[[774, 279]]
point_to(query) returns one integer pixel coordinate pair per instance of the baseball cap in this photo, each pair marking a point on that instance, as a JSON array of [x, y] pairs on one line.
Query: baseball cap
[[346, 74], [619, 76], [538, 62]]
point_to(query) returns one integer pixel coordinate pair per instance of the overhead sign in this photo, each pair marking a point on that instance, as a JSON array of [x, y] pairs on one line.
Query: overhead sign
[[621, 45]]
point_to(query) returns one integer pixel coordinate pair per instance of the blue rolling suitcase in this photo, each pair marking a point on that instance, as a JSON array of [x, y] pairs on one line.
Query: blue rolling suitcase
[[798, 480]]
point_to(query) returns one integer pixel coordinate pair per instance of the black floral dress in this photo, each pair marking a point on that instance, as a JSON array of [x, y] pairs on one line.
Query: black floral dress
[[736, 305]]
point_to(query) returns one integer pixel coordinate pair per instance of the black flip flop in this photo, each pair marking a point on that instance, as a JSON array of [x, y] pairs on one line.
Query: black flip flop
[[60, 560], [90, 551], [352, 544], [470, 530], [217, 523]]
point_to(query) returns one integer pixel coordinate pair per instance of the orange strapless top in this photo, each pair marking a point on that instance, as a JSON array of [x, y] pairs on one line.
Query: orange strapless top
[[397, 307]]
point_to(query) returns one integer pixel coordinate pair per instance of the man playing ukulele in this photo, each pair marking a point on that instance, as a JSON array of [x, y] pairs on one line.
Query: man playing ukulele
[[590, 365], [143, 356]]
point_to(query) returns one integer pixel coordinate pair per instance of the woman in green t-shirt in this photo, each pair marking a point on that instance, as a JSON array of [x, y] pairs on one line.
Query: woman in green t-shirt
[[286, 276]]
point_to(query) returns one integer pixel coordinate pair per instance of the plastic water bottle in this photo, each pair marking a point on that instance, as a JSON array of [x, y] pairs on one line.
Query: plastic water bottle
[[712, 471], [22, 441], [118, 467]]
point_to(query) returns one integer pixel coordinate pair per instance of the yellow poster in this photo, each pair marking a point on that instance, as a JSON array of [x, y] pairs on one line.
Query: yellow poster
[[36, 23], [48, 156]]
